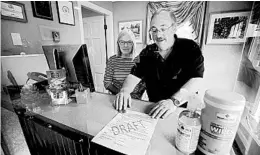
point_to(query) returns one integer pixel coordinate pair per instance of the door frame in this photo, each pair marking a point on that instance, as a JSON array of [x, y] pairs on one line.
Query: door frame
[[109, 22]]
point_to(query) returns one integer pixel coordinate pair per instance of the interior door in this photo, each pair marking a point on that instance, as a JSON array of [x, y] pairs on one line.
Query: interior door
[[94, 36]]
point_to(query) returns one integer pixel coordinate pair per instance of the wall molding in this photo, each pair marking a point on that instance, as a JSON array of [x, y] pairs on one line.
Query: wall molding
[[109, 20]]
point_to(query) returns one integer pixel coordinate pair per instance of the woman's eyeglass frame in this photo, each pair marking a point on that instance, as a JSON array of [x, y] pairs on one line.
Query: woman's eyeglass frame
[[128, 43]]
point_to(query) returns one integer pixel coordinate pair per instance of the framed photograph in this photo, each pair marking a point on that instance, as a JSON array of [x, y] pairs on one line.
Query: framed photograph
[[42, 9], [66, 12], [13, 11], [134, 26], [227, 28]]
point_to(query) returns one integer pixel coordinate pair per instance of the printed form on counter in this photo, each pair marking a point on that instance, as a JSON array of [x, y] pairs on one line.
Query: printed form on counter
[[128, 133]]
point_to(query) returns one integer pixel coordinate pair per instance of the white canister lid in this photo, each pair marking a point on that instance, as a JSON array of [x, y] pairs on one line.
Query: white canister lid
[[224, 97]]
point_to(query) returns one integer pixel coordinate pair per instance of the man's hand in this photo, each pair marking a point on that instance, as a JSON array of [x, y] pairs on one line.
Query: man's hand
[[123, 100], [163, 109]]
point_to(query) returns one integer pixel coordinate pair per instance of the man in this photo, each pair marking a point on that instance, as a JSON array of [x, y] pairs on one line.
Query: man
[[170, 65]]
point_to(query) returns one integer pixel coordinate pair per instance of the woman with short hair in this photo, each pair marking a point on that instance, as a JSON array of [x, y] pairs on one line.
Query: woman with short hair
[[120, 65]]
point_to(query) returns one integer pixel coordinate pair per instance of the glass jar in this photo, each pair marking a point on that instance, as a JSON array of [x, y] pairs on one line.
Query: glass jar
[[30, 98]]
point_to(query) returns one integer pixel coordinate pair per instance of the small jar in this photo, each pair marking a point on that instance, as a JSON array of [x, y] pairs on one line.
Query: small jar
[[82, 96], [58, 96], [30, 97]]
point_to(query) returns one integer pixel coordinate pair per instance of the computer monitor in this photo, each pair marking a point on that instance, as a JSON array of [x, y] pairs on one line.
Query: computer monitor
[[75, 60]]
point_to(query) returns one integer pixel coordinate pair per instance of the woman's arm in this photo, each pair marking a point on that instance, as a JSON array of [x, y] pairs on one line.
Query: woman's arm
[[108, 78]]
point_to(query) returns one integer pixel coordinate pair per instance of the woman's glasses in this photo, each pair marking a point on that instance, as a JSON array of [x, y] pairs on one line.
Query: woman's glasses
[[128, 43]]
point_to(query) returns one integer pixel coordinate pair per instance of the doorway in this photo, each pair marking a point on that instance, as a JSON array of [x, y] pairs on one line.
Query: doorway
[[99, 41]]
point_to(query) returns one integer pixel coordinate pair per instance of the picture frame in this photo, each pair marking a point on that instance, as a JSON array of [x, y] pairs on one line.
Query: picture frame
[[66, 12], [13, 11], [134, 26], [228, 28], [42, 9]]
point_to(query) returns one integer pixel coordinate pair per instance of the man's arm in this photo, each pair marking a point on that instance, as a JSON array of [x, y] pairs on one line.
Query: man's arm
[[193, 74], [123, 98], [129, 84], [191, 86], [190, 79], [113, 89], [165, 107]]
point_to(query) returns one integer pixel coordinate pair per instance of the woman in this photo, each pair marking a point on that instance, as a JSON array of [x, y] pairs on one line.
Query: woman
[[119, 65]]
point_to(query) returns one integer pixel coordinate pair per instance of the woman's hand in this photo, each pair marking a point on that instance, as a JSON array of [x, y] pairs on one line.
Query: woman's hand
[[163, 109], [123, 100]]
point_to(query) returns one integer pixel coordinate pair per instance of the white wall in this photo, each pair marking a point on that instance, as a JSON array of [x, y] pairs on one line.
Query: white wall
[[21, 65], [129, 11], [222, 61], [104, 4], [30, 34]]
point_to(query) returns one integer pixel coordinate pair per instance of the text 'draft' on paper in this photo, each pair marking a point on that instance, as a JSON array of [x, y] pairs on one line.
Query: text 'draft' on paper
[[128, 133]]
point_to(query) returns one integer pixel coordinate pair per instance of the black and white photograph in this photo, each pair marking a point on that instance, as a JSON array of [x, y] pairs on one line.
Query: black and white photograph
[[130, 77], [134, 26], [227, 28]]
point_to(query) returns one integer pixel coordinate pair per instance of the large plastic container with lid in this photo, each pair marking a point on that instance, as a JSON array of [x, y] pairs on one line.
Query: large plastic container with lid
[[220, 121]]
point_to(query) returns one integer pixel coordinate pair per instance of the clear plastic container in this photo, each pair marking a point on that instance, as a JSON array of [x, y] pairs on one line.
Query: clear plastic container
[[30, 98], [82, 97]]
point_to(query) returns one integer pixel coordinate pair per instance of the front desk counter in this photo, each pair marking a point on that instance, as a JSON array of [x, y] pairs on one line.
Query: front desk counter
[[68, 129]]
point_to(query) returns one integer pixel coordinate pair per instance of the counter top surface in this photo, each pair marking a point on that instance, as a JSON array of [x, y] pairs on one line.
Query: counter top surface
[[91, 117]]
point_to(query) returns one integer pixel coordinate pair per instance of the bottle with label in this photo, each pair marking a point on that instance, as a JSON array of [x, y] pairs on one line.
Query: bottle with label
[[188, 131]]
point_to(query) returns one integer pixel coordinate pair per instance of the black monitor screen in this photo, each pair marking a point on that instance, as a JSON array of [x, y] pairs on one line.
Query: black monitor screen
[[74, 58]]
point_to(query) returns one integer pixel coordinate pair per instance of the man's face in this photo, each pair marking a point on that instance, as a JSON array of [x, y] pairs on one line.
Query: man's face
[[163, 30]]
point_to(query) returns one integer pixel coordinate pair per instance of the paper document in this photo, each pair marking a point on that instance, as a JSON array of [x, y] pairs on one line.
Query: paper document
[[16, 39], [128, 133]]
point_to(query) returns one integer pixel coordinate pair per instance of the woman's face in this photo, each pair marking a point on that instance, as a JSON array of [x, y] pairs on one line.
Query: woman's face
[[126, 45]]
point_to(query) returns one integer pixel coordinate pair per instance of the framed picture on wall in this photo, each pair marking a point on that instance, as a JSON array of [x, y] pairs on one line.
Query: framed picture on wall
[[42, 9], [66, 12], [134, 26], [227, 28], [13, 11]]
